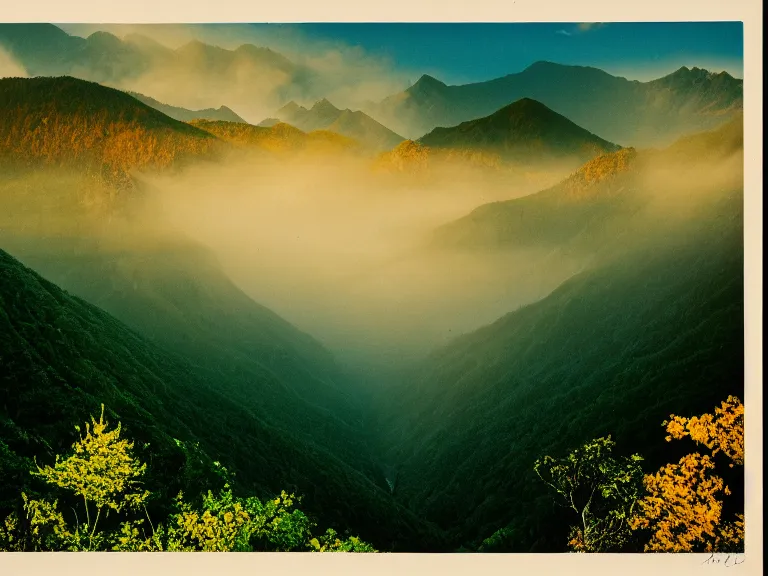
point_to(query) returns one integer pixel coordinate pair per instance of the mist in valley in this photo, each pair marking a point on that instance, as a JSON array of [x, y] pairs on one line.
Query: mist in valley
[[341, 251]]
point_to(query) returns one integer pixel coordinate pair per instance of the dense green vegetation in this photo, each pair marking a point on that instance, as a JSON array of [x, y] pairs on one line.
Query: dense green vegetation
[[613, 351], [62, 357], [655, 326], [681, 507], [104, 471], [60, 220]]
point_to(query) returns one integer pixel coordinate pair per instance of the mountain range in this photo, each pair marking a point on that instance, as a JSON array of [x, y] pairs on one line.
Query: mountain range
[[193, 75], [110, 134], [524, 131], [628, 112], [47, 50], [522, 138], [182, 114], [354, 124]]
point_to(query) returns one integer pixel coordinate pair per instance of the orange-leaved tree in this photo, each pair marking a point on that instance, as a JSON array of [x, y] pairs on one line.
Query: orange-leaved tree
[[683, 508]]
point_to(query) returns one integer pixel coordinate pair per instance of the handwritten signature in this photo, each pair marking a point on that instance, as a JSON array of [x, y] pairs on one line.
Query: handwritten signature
[[727, 560]]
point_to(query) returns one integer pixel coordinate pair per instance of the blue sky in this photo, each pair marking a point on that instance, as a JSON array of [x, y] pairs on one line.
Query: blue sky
[[471, 52]]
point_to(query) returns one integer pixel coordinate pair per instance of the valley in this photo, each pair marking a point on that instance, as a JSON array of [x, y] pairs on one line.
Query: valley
[[392, 309]]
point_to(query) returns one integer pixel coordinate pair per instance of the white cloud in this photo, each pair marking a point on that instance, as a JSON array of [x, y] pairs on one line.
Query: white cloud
[[347, 75]]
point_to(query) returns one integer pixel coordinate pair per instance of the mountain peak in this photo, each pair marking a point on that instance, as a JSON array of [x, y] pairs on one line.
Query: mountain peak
[[527, 102], [194, 47], [141, 40], [685, 75], [427, 81], [527, 107], [547, 67], [542, 64], [251, 48], [102, 38], [323, 105], [268, 122], [522, 129], [255, 51], [290, 108], [32, 30], [685, 72]]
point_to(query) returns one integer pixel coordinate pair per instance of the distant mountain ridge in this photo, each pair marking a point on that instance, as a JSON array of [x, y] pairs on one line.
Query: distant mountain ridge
[[46, 50], [278, 137], [628, 112], [354, 124], [185, 115], [525, 130], [195, 72]]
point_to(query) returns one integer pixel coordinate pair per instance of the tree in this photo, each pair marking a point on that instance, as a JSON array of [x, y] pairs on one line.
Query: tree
[[330, 542], [104, 471], [227, 523], [683, 509], [601, 489]]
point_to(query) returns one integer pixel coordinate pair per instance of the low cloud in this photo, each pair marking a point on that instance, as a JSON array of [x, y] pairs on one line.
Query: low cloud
[[9, 68], [347, 75]]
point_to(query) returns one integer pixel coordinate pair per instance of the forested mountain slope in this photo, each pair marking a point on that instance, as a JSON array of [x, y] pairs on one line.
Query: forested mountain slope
[[652, 326], [62, 357]]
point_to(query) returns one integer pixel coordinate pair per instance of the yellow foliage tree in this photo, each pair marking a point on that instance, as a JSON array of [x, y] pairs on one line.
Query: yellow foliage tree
[[722, 431], [104, 471], [683, 508]]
